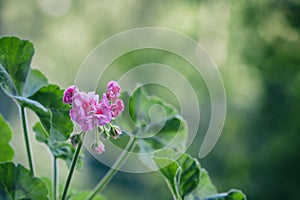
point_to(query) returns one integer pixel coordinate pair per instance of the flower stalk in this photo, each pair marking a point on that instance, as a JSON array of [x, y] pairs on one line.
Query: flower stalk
[[72, 168], [26, 137]]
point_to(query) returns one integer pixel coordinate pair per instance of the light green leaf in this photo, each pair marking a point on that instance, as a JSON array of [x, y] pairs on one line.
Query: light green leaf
[[157, 123], [15, 58], [140, 103], [207, 191], [171, 172], [173, 134], [182, 175], [34, 82], [205, 188], [6, 152], [16, 182], [41, 134]]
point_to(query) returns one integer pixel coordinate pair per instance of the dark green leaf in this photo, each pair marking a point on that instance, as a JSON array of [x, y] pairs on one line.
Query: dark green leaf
[[187, 180], [182, 175], [6, 152], [190, 174], [55, 119], [30, 87], [16, 182], [15, 58]]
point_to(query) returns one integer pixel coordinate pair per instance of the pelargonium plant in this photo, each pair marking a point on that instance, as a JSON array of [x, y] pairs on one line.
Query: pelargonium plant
[[59, 111]]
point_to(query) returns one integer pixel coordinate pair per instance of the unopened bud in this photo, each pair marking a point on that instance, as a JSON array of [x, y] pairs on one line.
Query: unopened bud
[[75, 139], [98, 147]]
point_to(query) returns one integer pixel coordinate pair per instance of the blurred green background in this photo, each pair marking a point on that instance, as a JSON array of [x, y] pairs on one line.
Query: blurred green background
[[256, 46]]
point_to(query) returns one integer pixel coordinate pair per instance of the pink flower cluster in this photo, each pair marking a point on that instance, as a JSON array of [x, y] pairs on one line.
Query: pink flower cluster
[[86, 109]]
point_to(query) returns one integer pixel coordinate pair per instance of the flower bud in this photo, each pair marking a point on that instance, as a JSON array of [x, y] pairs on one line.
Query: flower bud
[[98, 147], [75, 139], [113, 91], [115, 131], [69, 93]]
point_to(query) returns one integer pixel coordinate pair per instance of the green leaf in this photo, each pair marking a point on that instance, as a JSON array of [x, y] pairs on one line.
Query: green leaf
[[62, 150], [158, 124], [15, 58], [205, 188], [173, 134], [171, 172], [207, 191], [140, 103], [41, 134], [187, 180], [30, 87], [190, 174], [6, 152], [34, 82], [16, 77], [182, 175], [53, 113], [16, 182]]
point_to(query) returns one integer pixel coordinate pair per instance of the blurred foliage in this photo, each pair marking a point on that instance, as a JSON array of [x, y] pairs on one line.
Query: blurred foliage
[[256, 45]]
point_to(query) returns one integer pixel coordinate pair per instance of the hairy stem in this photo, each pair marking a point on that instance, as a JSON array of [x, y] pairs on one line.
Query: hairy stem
[[71, 171], [27, 143], [113, 170]]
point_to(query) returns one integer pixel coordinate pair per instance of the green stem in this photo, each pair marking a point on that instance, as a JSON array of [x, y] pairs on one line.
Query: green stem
[[54, 182], [73, 164], [113, 170], [27, 143]]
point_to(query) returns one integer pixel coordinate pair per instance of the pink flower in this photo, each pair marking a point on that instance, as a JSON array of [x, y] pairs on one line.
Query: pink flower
[[84, 109], [117, 108], [98, 147], [69, 94], [113, 90], [103, 113], [88, 113]]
